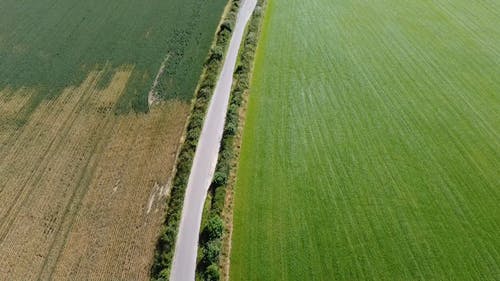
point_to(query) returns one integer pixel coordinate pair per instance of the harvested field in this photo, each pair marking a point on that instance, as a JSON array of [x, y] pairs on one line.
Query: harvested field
[[82, 189], [371, 147]]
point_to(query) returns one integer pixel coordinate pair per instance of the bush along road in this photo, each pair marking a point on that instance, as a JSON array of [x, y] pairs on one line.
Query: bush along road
[[160, 270], [205, 159], [215, 237], [206, 145]]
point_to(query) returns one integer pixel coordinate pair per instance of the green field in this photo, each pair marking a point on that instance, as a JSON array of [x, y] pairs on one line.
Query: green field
[[52, 44], [371, 149]]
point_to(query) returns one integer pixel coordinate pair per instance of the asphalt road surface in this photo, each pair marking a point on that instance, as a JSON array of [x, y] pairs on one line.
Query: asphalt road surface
[[205, 159]]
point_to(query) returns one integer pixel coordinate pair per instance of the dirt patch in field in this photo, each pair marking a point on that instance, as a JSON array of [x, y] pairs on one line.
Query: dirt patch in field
[[153, 93], [82, 189]]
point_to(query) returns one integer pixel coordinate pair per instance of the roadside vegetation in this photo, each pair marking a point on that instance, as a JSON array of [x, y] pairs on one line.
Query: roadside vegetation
[[213, 64], [370, 148], [213, 227]]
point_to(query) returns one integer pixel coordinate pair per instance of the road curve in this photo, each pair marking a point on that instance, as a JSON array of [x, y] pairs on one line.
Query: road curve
[[205, 159]]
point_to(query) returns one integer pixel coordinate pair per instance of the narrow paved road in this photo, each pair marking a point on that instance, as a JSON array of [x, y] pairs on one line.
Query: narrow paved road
[[205, 159]]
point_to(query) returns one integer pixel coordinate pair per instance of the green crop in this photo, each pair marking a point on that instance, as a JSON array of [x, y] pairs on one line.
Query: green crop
[[50, 45], [371, 145]]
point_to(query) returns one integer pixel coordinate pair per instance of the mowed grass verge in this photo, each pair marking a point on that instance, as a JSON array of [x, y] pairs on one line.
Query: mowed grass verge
[[371, 146]]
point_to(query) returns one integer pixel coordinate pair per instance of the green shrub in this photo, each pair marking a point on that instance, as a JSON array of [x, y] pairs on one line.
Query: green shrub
[[220, 178], [231, 129], [204, 92], [218, 200], [211, 252], [214, 228], [226, 25], [216, 53], [212, 273]]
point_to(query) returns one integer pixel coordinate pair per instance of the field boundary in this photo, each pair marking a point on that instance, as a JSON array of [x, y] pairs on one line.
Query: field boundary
[[162, 261], [215, 243]]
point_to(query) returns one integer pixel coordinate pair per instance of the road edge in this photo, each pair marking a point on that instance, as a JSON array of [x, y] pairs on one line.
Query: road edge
[[164, 250], [220, 199]]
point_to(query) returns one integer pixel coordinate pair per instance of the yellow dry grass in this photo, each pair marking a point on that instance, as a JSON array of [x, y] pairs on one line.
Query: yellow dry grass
[[11, 105], [82, 189]]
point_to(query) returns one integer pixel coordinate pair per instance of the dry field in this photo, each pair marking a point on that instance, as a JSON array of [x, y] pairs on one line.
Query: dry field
[[81, 188]]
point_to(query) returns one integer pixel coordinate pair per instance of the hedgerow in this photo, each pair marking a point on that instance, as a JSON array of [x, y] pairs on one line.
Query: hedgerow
[[211, 234], [160, 269]]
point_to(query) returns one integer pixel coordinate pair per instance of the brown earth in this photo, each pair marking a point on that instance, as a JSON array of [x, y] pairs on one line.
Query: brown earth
[[82, 190]]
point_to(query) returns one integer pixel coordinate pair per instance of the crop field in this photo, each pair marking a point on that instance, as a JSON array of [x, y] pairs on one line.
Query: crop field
[[54, 44], [84, 172], [371, 143]]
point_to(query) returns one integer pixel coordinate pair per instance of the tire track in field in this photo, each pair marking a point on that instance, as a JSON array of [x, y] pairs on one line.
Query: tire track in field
[[68, 142], [30, 183], [72, 208]]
